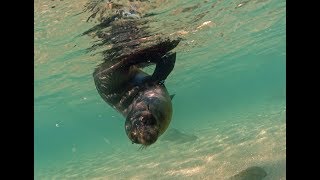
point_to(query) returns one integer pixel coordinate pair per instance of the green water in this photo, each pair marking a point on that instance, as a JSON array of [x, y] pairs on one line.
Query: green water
[[229, 81]]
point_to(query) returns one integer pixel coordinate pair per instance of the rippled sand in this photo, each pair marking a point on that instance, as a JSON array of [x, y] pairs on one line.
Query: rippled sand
[[222, 150]]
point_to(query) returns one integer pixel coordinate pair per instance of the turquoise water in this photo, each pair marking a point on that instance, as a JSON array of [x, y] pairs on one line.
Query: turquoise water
[[229, 81]]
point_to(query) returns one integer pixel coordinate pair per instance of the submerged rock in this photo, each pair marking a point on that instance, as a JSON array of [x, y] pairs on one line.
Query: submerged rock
[[251, 173]]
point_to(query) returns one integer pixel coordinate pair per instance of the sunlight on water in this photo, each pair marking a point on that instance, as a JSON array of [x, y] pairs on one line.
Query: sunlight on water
[[229, 81]]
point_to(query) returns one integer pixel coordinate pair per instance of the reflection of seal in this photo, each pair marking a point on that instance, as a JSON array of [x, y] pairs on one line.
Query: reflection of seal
[[141, 98]]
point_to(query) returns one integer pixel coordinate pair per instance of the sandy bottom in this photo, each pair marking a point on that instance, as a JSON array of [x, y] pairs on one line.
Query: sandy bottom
[[222, 150]]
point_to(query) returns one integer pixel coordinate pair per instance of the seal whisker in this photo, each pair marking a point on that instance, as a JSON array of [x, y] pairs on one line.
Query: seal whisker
[[142, 147]]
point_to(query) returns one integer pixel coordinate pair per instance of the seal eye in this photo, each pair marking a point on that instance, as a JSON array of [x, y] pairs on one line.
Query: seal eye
[[134, 138]]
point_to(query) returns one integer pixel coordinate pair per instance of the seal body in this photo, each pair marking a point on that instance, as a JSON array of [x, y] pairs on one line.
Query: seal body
[[141, 98], [128, 47]]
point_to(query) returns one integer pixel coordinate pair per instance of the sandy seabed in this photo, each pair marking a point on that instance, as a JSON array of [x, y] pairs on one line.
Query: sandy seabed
[[222, 150]]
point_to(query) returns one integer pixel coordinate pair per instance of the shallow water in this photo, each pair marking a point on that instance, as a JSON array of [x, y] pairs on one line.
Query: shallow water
[[229, 82]]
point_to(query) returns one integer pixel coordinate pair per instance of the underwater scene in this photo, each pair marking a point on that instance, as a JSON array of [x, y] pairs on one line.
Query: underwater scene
[[160, 89]]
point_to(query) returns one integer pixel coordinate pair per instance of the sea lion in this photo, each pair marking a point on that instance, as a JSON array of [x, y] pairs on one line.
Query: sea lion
[[141, 98]]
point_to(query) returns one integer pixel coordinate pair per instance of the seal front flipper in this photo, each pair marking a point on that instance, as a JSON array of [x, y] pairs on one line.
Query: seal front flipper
[[148, 54], [164, 67], [171, 96]]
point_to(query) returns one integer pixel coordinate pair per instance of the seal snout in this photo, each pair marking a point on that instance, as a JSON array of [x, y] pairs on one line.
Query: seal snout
[[148, 135]]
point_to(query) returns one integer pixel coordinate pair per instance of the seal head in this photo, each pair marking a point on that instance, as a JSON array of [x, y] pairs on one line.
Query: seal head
[[149, 115], [142, 127]]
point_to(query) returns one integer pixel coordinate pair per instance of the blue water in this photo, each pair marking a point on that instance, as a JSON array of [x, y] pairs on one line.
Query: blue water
[[229, 81]]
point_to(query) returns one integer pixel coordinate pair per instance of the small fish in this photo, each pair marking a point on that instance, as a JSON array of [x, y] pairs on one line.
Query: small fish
[[58, 124]]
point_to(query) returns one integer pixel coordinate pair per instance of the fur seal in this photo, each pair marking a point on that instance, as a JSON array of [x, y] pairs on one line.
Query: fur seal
[[120, 81], [141, 98]]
